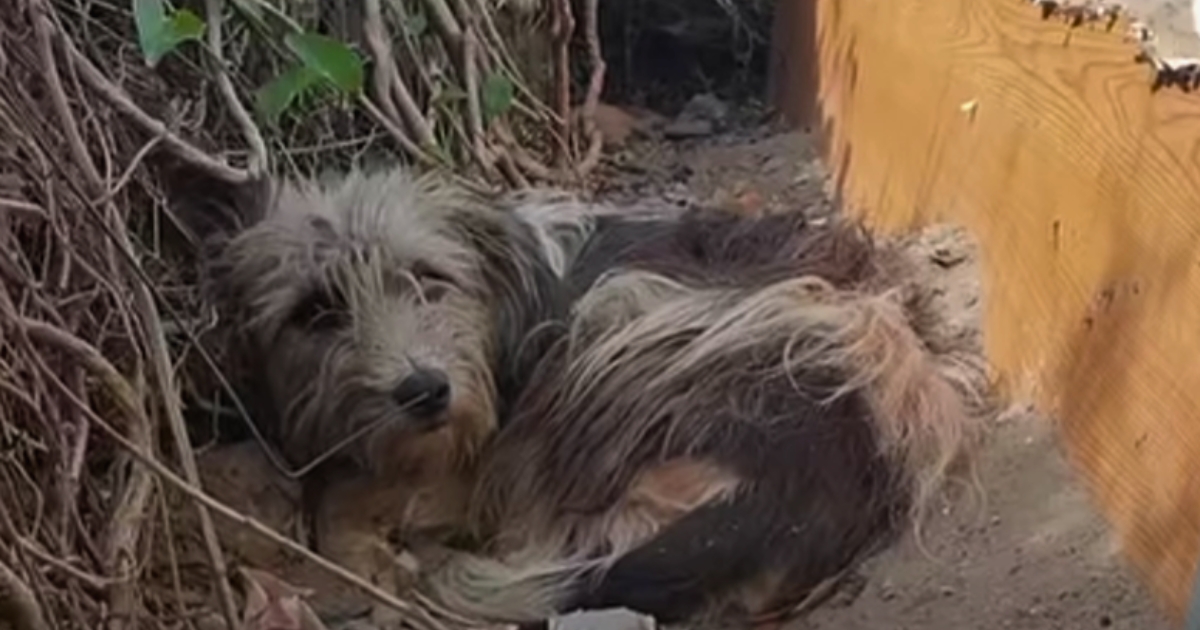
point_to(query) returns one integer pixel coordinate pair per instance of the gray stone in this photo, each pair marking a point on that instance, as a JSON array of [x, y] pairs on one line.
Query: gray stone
[[687, 128], [706, 107], [607, 619]]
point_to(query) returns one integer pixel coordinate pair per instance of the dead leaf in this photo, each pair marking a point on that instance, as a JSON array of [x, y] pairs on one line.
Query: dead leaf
[[272, 604]]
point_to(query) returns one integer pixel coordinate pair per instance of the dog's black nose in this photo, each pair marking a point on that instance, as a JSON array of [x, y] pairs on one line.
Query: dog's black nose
[[425, 393]]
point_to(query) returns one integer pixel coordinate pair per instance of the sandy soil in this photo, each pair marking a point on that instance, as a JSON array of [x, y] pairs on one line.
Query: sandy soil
[[1033, 554]]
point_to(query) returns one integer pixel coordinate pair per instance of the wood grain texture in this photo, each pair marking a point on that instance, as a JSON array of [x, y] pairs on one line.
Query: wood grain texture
[[1083, 188]]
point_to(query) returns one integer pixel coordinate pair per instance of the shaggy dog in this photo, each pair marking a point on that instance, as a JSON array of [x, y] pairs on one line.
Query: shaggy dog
[[373, 323], [680, 413]]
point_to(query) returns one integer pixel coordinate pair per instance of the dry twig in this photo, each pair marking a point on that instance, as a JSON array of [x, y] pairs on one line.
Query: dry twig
[[121, 390], [257, 162], [392, 92], [398, 134], [18, 606], [595, 87], [82, 326], [562, 29], [160, 361], [121, 101]]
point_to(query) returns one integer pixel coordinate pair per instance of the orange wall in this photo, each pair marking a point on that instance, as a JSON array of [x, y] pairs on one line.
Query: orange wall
[[1083, 187]]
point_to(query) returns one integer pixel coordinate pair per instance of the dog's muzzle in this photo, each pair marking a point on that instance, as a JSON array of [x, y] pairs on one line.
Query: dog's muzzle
[[424, 395]]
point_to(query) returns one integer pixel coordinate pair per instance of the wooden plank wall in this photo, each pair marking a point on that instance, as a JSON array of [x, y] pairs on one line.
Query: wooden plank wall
[[1083, 188]]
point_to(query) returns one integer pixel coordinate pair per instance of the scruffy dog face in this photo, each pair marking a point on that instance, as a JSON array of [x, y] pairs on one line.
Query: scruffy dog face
[[362, 303]]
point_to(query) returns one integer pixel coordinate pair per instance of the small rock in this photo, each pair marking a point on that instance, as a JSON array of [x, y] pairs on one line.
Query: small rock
[[608, 619], [688, 128], [887, 591], [947, 591], [947, 258], [615, 124], [705, 107], [211, 621]]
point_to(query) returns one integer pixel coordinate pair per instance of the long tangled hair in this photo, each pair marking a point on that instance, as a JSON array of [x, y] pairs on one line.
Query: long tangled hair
[[375, 302], [674, 412], [735, 411], [379, 324]]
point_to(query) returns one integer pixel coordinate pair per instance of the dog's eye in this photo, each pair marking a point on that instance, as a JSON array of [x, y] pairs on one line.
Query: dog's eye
[[319, 311], [434, 292], [426, 274], [434, 284]]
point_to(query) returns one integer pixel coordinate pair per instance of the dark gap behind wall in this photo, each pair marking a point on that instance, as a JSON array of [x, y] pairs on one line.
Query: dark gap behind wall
[[660, 53]]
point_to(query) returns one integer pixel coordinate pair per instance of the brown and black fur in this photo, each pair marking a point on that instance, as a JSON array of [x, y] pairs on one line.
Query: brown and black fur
[[740, 409], [377, 302], [681, 413]]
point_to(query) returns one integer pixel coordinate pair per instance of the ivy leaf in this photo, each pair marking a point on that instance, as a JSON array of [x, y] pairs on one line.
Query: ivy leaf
[[275, 97], [160, 32], [329, 59], [498, 94], [183, 25], [148, 15]]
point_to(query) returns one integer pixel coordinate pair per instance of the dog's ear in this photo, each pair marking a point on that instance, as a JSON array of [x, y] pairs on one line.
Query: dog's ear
[[210, 210]]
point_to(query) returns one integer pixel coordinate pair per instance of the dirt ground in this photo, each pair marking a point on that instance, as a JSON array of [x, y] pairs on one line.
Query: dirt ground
[[1033, 554]]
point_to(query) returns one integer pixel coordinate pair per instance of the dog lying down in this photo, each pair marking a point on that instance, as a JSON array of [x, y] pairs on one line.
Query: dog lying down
[[686, 414]]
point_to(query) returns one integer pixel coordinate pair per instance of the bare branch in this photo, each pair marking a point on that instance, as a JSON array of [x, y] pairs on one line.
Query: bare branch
[[471, 83], [396, 132], [43, 28], [18, 606], [91, 358], [591, 25], [562, 29], [381, 49], [446, 24], [160, 356], [160, 361], [123, 533], [383, 70], [257, 162], [119, 100]]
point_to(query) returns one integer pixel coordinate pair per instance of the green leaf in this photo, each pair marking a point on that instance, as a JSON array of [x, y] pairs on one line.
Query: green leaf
[[498, 93], [329, 59], [159, 33], [183, 25], [275, 97], [148, 16]]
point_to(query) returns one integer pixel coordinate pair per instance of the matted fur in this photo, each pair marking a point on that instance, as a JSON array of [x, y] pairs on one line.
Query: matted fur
[[668, 411], [332, 294], [336, 291], [780, 353]]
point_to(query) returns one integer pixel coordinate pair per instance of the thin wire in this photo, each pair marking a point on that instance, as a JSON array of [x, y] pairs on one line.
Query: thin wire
[[323, 457]]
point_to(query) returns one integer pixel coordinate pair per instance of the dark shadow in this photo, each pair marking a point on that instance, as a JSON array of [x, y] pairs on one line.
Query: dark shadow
[[793, 82], [794, 85], [660, 53]]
